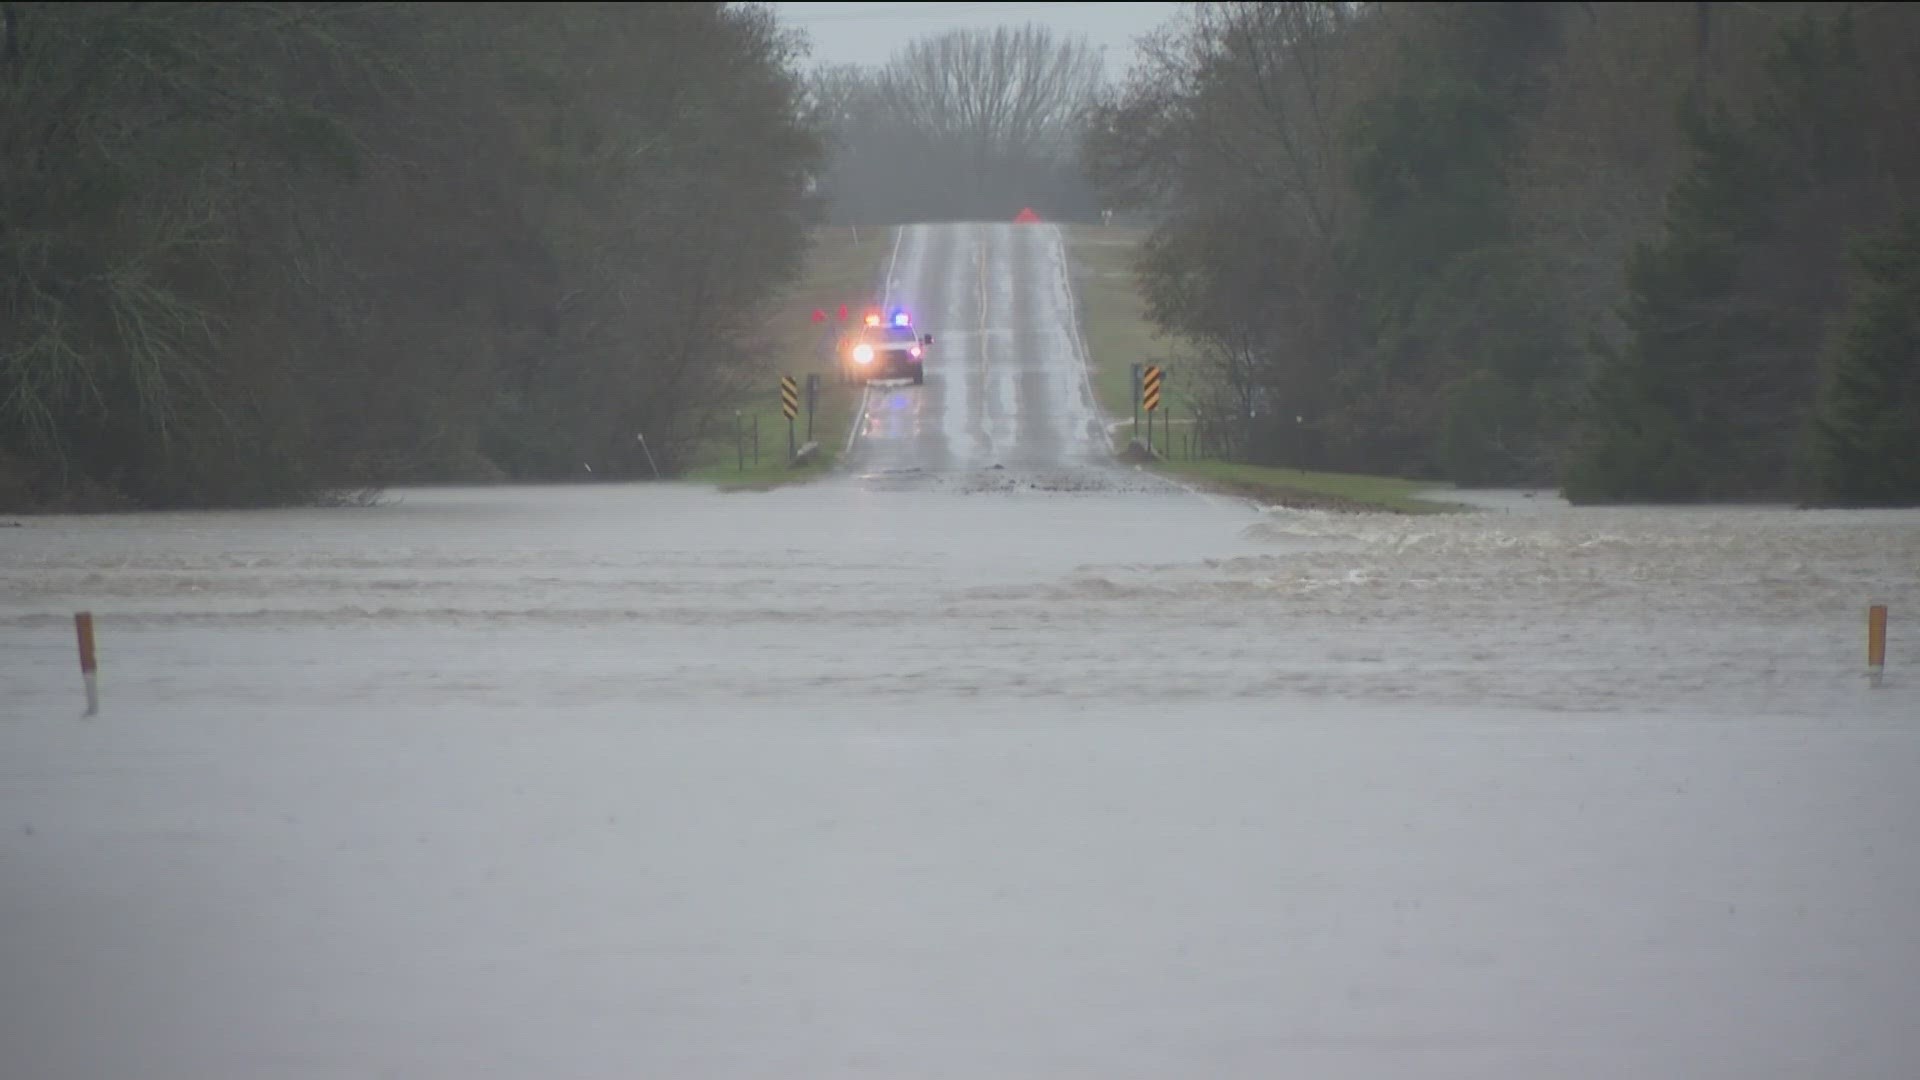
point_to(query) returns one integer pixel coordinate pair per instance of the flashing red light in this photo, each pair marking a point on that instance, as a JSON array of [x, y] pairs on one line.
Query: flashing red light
[[819, 316], [843, 313]]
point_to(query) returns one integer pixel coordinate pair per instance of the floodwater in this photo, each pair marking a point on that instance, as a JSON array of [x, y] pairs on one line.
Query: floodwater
[[940, 769]]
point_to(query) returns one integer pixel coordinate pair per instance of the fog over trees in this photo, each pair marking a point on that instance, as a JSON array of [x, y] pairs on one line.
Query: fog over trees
[[251, 251], [1622, 247], [963, 125]]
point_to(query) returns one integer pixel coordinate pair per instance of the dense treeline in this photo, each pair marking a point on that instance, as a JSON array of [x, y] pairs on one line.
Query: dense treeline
[[250, 252], [963, 125], [1650, 251]]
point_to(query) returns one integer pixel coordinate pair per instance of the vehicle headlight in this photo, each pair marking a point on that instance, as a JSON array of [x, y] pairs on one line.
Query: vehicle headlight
[[863, 354]]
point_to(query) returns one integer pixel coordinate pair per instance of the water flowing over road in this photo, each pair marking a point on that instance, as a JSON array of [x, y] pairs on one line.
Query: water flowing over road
[[986, 756]]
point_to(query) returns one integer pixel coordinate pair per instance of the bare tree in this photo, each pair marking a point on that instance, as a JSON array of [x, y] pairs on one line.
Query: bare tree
[[1230, 131], [247, 250], [1407, 222], [968, 123], [1009, 93]]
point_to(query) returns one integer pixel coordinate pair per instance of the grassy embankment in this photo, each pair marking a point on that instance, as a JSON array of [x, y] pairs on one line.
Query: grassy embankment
[[840, 270], [1113, 321]]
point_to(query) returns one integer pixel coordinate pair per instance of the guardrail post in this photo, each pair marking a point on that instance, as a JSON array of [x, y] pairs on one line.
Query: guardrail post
[[813, 394], [1876, 643], [89, 669]]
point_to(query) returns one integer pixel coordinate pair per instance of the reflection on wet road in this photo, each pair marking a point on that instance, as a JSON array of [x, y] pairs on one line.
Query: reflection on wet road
[[1006, 380]]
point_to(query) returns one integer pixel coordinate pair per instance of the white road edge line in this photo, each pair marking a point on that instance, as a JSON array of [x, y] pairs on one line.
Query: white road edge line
[[1081, 353], [1084, 356], [886, 287], [886, 301]]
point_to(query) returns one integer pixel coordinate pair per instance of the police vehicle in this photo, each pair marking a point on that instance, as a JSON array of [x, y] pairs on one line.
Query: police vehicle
[[883, 350]]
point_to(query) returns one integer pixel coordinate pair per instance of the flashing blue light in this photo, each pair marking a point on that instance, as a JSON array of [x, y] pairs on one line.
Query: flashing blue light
[[901, 318]]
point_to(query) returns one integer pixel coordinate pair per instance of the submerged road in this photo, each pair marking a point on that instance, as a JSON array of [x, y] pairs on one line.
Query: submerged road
[[988, 757]]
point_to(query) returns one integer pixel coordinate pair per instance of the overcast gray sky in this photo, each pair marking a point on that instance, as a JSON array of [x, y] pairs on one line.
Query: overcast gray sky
[[869, 33]]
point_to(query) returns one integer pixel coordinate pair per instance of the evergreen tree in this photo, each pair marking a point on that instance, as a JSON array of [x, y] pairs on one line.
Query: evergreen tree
[[1866, 435], [1448, 309], [1703, 400], [1654, 432]]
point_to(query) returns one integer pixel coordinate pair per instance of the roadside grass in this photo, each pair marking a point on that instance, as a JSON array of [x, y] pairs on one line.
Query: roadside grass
[[840, 270], [1118, 334], [1113, 320], [1301, 489]]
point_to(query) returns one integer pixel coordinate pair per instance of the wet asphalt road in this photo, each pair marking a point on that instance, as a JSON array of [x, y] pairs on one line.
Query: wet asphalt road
[[1007, 399]]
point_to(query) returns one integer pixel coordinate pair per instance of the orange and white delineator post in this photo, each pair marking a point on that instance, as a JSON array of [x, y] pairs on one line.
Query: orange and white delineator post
[[89, 667], [1876, 643]]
